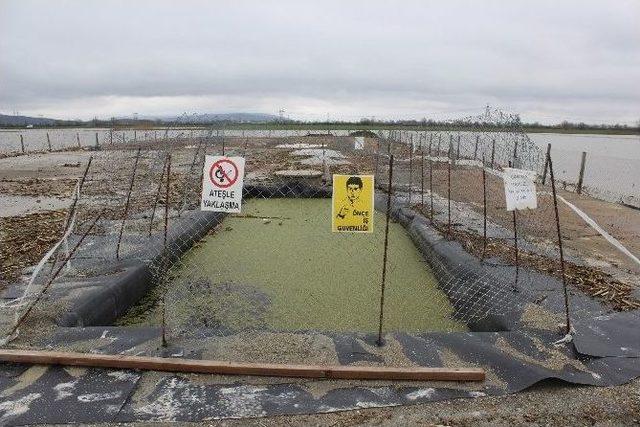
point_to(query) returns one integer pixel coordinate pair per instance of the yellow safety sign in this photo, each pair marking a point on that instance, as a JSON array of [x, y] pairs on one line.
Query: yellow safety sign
[[352, 204]]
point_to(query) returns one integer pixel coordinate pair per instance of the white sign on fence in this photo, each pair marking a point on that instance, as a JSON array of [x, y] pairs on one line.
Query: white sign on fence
[[222, 181], [520, 189], [359, 144]]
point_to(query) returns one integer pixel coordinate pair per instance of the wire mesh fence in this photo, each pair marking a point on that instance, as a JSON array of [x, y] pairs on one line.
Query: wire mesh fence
[[453, 257]]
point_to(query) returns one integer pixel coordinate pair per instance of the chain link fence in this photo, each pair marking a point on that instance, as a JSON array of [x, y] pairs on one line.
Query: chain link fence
[[453, 258]]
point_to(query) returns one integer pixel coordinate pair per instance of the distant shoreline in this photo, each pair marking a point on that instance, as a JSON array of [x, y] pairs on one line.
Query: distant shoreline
[[337, 126]]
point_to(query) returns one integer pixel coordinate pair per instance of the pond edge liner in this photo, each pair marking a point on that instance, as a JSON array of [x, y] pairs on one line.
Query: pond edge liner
[[116, 293], [104, 303], [130, 279], [454, 268]]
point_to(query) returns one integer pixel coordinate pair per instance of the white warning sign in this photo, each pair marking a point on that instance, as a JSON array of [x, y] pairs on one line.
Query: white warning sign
[[520, 189], [222, 181], [359, 143]]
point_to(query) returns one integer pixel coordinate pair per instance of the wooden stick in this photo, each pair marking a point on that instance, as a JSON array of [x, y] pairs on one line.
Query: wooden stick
[[118, 361]]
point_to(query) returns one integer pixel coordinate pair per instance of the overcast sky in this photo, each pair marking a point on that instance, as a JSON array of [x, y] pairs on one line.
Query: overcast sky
[[548, 61]]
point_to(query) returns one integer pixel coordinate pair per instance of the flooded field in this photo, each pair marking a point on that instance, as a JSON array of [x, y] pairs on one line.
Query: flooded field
[[278, 266], [612, 172]]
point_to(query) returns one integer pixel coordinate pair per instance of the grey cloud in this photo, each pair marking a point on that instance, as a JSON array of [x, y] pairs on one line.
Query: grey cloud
[[414, 58]]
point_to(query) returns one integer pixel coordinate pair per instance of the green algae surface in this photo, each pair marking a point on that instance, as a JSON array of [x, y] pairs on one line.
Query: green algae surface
[[279, 266]]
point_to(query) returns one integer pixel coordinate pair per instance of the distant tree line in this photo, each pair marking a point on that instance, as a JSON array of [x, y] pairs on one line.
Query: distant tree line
[[365, 123]]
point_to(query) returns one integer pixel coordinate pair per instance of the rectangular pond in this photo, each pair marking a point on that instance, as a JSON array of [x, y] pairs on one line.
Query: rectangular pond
[[278, 266]]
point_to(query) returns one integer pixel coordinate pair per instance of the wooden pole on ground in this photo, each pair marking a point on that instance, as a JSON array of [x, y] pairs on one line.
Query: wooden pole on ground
[[78, 139], [119, 361], [386, 247], [564, 279], [22, 143], [583, 161], [48, 141]]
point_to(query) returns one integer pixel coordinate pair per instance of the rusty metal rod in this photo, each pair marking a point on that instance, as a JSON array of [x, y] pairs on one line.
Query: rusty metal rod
[[546, 164], [155, 201], [410, 170], [126, 203], [564, 279], [422, 179], [430, 185], [484, 209], [386, 247], [515, 242], [515, 247], [449, 190], [166, 202]]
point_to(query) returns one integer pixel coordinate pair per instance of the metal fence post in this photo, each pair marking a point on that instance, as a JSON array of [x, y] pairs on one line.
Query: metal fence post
[[386, 246], [126, 204], [564, 279], [484, 209], [422, 179], [475, 149], [546, 164], [493, 152], [449, 190], [583, 161], [410, 170]]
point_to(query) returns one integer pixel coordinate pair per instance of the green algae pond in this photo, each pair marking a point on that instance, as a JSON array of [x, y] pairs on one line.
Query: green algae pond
[[278, 266]]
